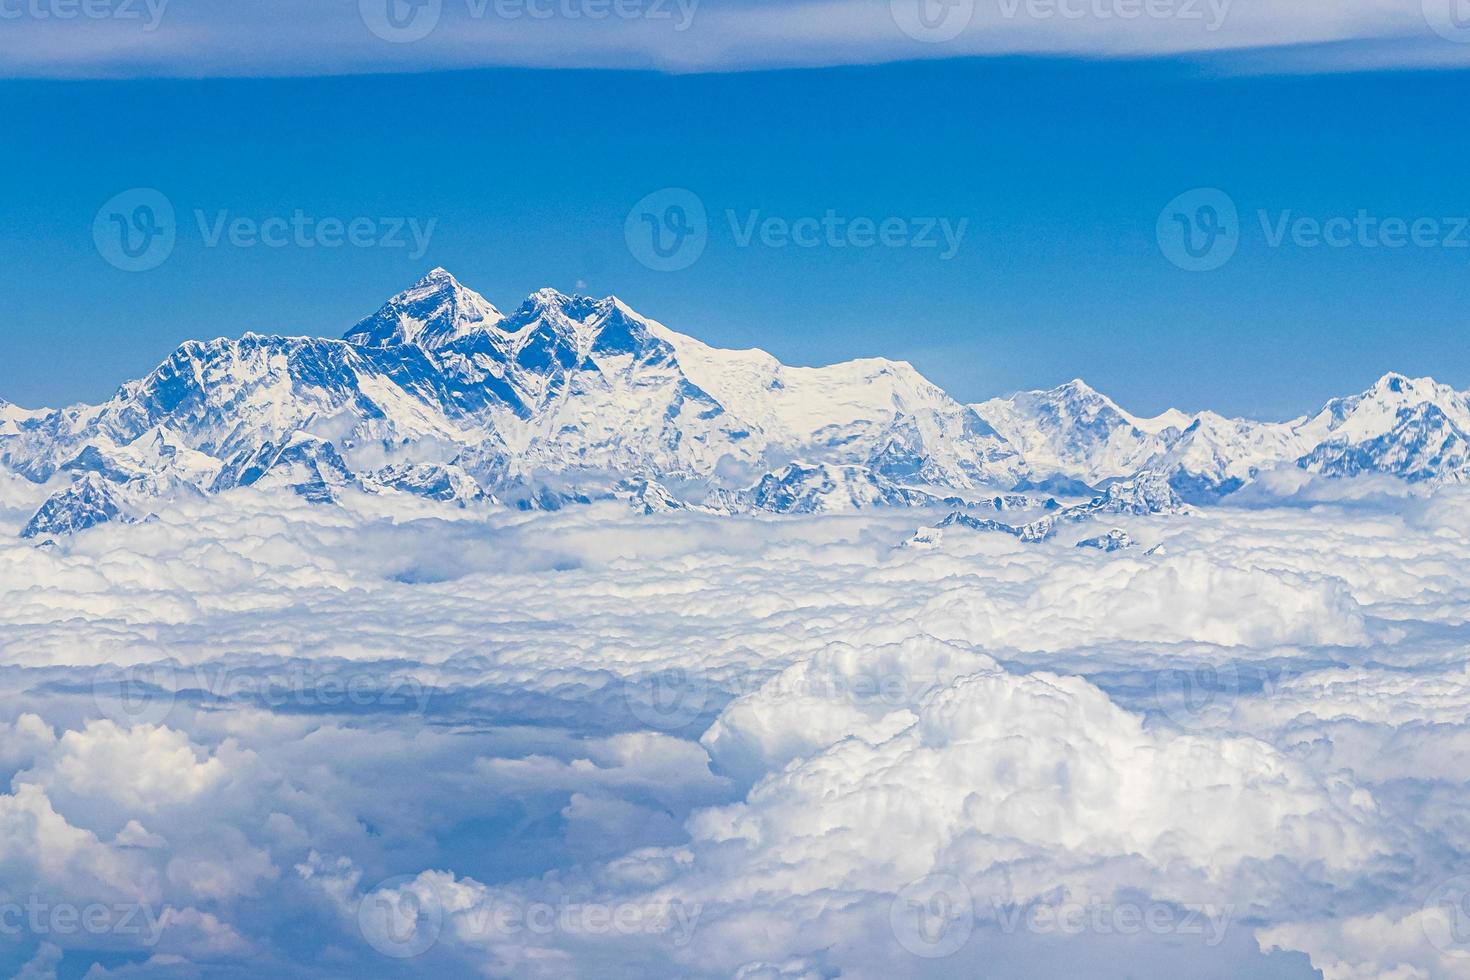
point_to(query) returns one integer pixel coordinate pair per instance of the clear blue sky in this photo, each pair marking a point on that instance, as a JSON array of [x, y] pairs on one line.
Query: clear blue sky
[[1061, 168]]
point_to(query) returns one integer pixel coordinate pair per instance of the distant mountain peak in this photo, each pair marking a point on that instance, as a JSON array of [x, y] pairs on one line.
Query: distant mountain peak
[[439, 395], [89, 501], [551, 296], [575, 307], [1400, 384], [433, 312]]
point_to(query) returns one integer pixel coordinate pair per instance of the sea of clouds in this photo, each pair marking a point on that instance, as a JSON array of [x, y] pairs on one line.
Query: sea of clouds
[[256, 736]]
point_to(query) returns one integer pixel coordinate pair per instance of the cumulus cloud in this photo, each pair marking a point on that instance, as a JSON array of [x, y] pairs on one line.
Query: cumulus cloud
[[1021, 789], [1423, 943], [840, 692], [142, 768], [774, 747], [40, 849], [43, 965]]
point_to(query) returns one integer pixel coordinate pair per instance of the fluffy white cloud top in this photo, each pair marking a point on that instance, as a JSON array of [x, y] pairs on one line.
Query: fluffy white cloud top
[[306, 741]]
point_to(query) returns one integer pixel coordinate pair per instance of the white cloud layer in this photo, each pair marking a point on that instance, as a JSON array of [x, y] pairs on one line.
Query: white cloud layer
[[261, 737]]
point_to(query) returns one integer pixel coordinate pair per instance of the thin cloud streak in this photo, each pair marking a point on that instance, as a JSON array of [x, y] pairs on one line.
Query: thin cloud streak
[[215, 38]]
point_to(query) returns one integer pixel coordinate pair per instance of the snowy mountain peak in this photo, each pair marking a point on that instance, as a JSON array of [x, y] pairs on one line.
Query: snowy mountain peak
[[433, 312], [574, 328], [549, 298], [89, 501], [1087, 402], [553, 306], [1394, 384], [571, 397], [1413, 428], [1072, 430], [1377, 409], [1077, 388], [1398, 389], [557, 308]]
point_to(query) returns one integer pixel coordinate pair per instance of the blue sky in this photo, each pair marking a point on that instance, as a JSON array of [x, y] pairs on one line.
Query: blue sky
[[1060, 168]]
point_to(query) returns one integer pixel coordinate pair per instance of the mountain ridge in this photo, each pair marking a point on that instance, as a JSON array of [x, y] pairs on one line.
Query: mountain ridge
[[570, 398]]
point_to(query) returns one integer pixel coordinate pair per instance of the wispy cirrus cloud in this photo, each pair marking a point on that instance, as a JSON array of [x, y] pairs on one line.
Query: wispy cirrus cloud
[[148, 38]]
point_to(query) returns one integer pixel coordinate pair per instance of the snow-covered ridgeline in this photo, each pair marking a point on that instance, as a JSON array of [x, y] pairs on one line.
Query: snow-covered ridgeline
[[570, 398]]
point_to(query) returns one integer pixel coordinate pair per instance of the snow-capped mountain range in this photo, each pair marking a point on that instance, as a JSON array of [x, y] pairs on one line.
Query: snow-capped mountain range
[[570, 399], [1415, 429]]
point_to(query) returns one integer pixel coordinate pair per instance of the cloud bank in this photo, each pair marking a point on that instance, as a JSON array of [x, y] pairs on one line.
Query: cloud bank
[[130, 38], [257, 735]]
